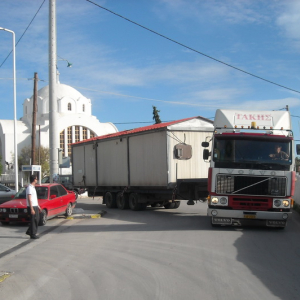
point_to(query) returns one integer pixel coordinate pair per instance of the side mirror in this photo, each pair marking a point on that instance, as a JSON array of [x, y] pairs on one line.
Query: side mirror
[[53, 196], [205, 144], [298, 149], [205, 154]]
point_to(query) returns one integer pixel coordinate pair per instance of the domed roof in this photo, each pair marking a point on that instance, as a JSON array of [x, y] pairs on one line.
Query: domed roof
[[62, 90]]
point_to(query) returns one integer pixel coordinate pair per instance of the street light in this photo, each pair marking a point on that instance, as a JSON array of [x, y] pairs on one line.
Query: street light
[[15, 110]]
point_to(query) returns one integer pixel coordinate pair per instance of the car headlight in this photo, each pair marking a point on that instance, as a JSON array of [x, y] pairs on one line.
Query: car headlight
[[25, 210], [223, 200], [214, 200], [286, 203], [277, 203], [2, 209]]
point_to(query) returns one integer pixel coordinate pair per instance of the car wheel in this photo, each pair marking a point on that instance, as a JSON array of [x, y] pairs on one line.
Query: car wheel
[[69, 210], [43, 218]]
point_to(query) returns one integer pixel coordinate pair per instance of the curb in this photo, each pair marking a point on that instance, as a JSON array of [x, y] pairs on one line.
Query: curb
[[87, 216], [4, 275]]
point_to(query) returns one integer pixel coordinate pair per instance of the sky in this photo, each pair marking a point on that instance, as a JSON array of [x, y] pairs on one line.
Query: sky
[[125, 69]]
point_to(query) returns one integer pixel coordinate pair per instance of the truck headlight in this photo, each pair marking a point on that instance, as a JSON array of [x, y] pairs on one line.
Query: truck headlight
[[223, 200], [286, 203], [214, 200], [277, 203]]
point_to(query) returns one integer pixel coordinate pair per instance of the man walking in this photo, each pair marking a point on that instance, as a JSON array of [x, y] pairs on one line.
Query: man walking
[[33, 208]]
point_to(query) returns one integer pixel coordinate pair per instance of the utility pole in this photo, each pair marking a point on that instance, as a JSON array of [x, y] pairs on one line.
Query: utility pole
[[33, 136], [53, 132]]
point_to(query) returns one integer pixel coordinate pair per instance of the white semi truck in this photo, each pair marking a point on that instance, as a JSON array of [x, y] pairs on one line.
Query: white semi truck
[[251, 175], [160, 163]]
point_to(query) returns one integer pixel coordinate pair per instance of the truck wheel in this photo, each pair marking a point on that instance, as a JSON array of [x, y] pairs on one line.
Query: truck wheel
[[169, 205], [177, 204], [122, 201], [134, 202], [110, 200]]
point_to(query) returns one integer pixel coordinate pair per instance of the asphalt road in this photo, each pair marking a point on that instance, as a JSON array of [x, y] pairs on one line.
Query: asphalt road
[[152, 254]]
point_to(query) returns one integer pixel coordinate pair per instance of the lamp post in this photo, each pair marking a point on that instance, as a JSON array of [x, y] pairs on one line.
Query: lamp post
[[15, 109]]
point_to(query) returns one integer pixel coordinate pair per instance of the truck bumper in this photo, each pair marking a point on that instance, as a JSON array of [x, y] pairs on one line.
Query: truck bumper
[[234, 217]]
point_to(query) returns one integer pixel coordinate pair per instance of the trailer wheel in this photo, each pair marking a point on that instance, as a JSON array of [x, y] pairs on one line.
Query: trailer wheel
[[134, 202], [169, 205], [110, 200], [177, 204], [122, 201]]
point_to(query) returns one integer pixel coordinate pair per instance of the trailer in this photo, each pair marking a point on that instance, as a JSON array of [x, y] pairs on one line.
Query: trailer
[[157, 164]]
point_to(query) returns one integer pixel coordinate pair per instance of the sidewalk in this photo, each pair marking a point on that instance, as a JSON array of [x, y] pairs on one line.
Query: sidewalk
[[87, 208]]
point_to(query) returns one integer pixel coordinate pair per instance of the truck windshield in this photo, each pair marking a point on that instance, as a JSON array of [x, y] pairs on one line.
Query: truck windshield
[[252, 153]]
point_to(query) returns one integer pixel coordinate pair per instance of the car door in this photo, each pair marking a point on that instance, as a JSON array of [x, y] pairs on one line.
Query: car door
[[54, 201], [63, 198]]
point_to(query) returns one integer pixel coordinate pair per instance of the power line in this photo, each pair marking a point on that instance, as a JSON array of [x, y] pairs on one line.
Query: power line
[[194, 50], [23, 33]]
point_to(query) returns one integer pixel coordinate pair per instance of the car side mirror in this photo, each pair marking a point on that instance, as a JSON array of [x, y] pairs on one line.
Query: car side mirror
[[205, 154], [53, 196], [205, 144], [298, 149]]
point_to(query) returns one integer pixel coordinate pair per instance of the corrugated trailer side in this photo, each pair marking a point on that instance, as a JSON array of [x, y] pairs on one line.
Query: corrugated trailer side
[[148, 160], [112, 162], [84, 164]]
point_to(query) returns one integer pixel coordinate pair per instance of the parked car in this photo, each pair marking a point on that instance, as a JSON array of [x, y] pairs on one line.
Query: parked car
[[6, 193], [53, 199], [66, 181]]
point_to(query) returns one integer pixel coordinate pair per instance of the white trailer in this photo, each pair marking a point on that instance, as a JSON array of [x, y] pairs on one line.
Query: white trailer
[[160, 163]]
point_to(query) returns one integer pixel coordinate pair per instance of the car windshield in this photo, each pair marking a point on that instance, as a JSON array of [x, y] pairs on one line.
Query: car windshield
[[41, 191], [252, 153]]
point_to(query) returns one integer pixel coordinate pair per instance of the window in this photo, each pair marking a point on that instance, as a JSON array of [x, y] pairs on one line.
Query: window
[[76, 134], [84, 133], [69, 106], [62, 142], [83, 107], [69, 140], [54, 191], [61, 190]]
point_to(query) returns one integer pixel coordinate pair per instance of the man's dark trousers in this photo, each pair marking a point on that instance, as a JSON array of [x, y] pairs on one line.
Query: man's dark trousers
[[33, 221]]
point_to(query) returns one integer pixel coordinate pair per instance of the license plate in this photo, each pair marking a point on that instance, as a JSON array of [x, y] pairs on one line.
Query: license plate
[[276, 223], [250, 216], [221, 221], [13, 216]]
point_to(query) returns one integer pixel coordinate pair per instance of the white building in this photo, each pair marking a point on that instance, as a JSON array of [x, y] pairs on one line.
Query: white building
[[75, 123]]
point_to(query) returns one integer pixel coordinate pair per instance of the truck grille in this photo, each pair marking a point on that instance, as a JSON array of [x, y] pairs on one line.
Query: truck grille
[[250, 185]]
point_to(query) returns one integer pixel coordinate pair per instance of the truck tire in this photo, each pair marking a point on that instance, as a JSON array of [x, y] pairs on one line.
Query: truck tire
[[169, 205], [134, 202], [177, 204], [110, 200], [122, 200]]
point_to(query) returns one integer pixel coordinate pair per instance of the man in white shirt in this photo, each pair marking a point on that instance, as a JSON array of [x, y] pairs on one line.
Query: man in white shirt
[[33, 208]]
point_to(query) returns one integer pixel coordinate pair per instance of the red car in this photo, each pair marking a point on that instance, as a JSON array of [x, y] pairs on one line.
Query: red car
[[53, 198]]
